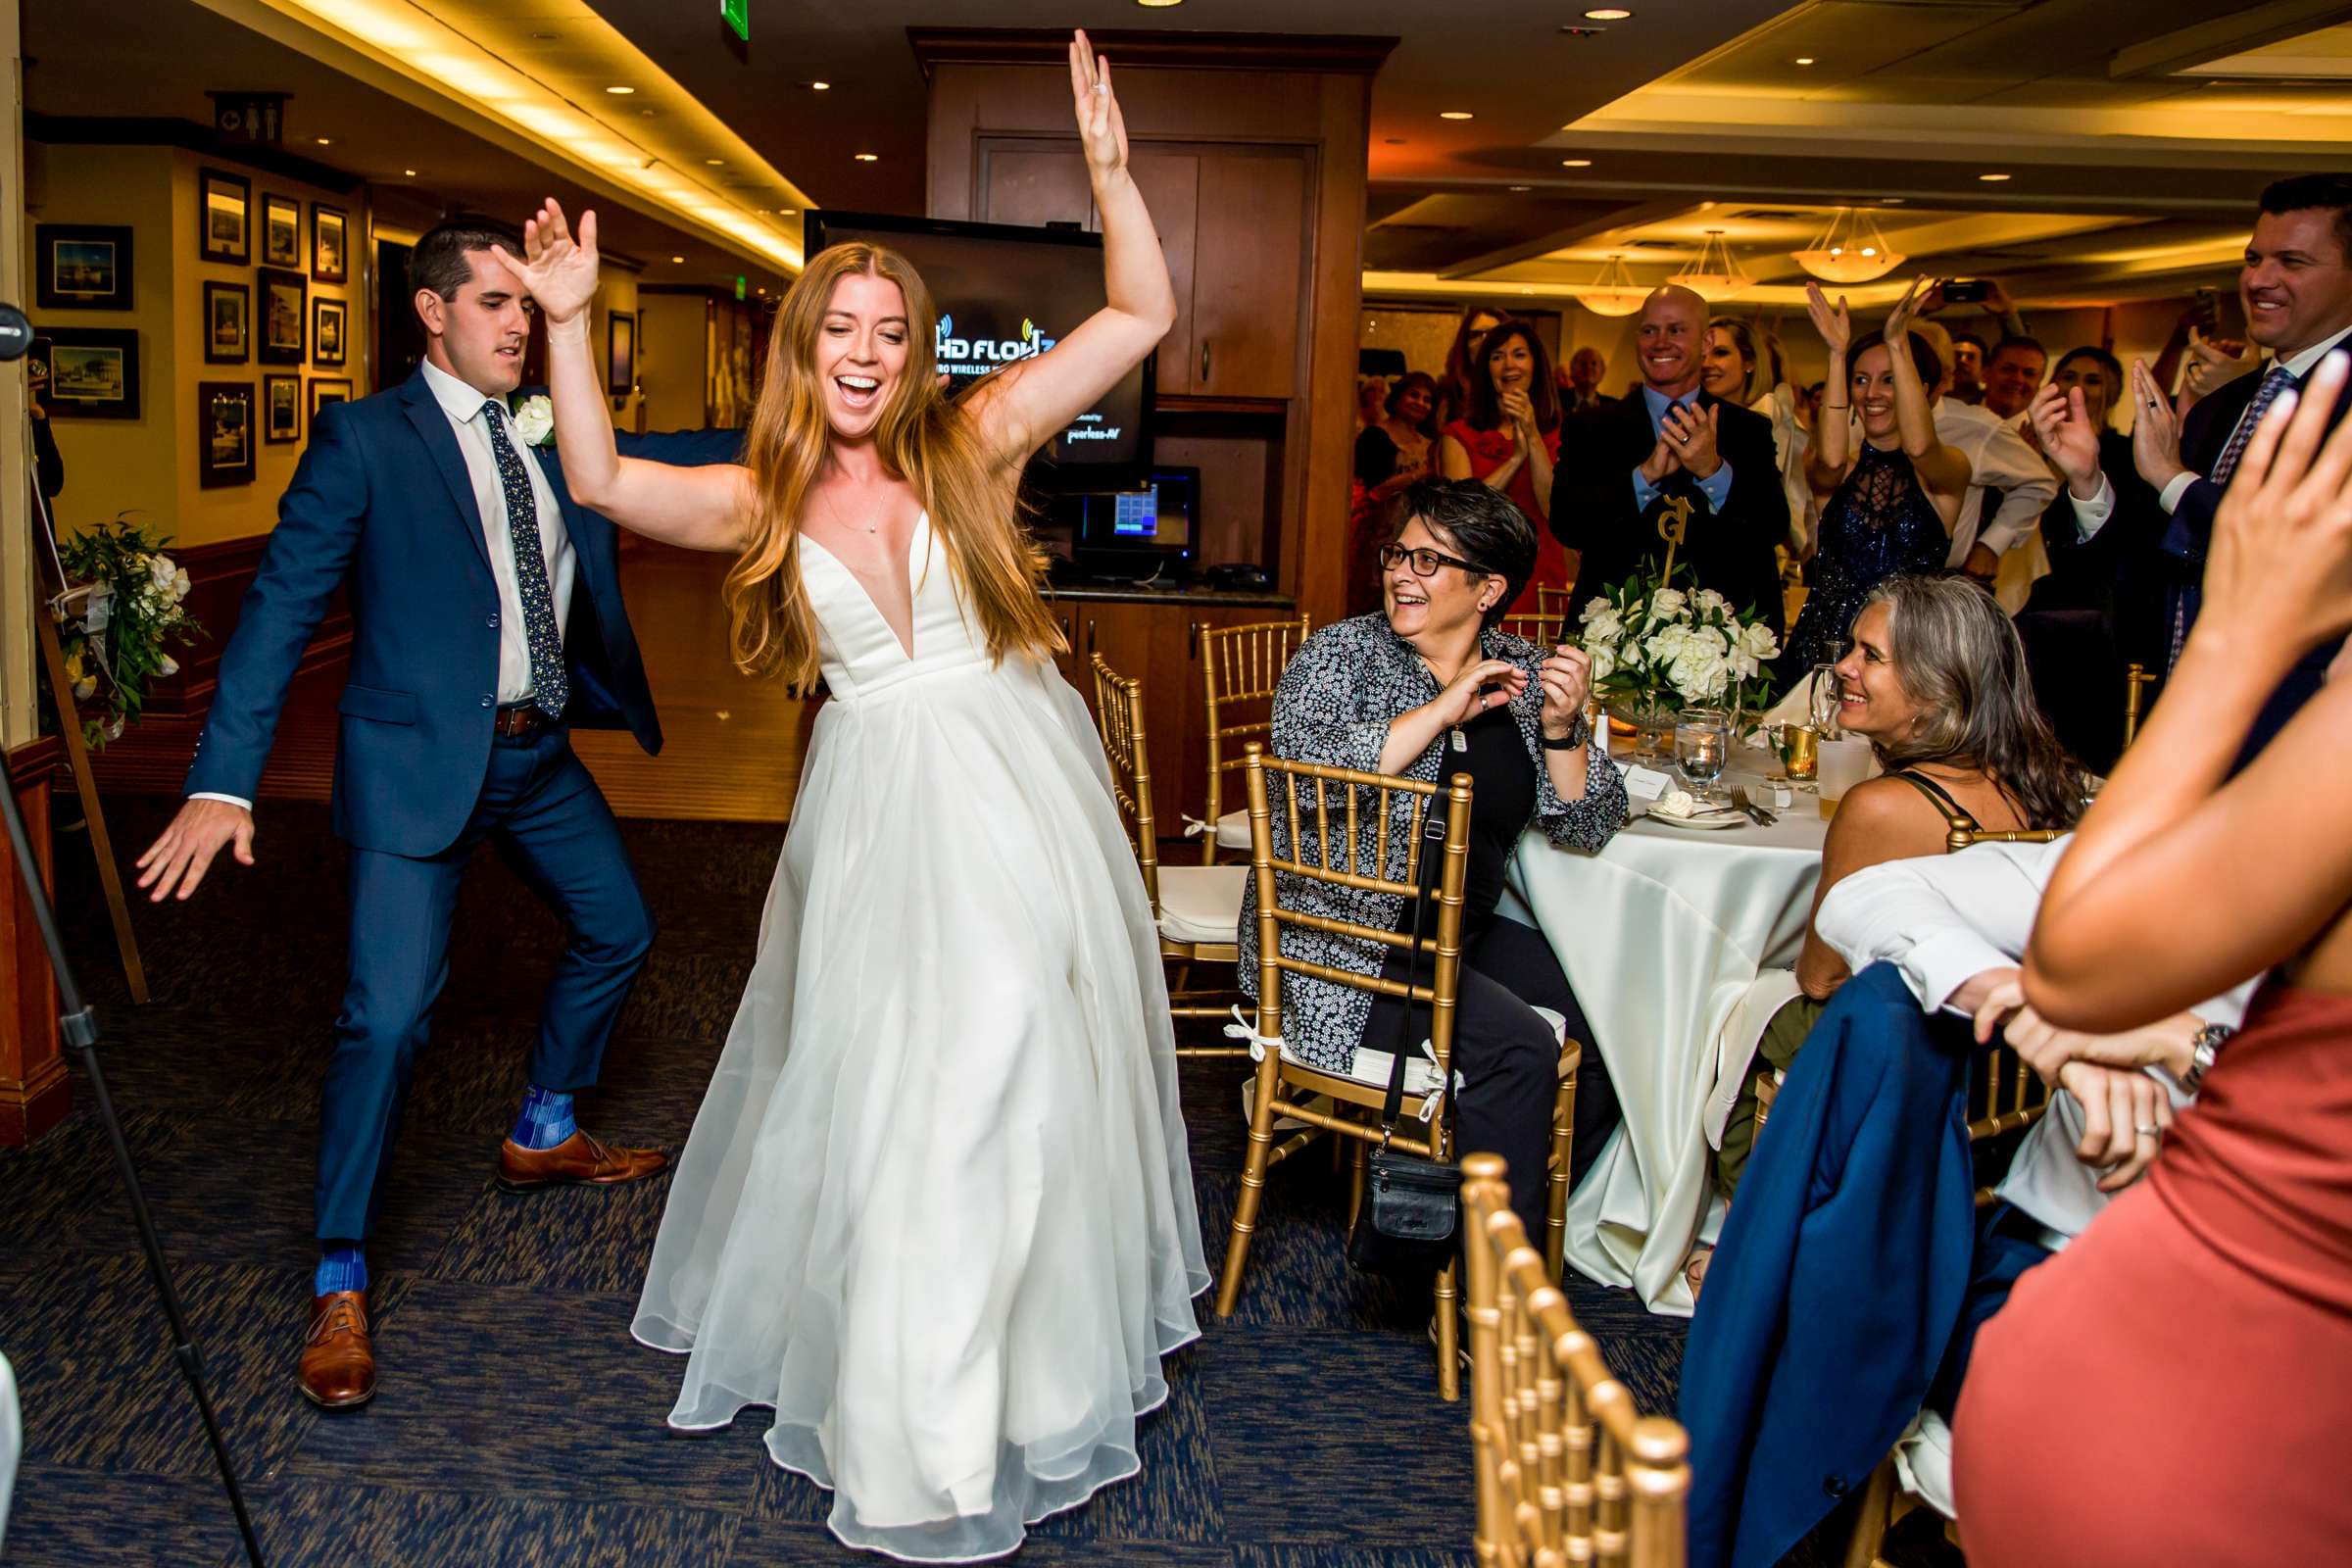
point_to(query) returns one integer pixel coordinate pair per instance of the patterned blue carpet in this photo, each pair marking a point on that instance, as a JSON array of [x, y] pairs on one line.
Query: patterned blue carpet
[[517, 1422]]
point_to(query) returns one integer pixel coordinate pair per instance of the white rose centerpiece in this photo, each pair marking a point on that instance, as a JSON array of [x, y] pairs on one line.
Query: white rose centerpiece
[[127, 606], [1657, 648]]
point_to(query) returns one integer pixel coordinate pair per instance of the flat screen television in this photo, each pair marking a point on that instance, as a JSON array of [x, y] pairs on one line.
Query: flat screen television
[[1007, 294]]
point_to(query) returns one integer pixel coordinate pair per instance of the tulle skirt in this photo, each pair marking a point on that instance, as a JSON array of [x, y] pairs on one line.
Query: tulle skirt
[[936, 1209]]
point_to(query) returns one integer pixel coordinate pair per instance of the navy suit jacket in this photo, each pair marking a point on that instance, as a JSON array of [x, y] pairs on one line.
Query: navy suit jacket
[[381, 504], [1593, 508], [1837, 1281], [2189, 536]]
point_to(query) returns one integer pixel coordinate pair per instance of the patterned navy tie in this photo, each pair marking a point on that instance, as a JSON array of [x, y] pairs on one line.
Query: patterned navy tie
[[550, 685], [2185, 597]]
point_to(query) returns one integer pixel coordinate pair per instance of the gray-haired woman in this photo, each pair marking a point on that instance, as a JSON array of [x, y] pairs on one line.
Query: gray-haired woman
[[1425, 689]]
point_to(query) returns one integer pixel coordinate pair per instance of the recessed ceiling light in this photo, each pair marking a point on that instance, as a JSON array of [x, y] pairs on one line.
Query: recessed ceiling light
[[620, 92], [1805, 59], [1608, 14], [1158, 5], [869, 158], [1576, 163], [323, 142], [1891, 201], [786, 212], [1455, 114], [409, 172], [645, 114], [715, 162], [543, 37], [1521, 187], [821, 87], [1992, 178], [677, 260]]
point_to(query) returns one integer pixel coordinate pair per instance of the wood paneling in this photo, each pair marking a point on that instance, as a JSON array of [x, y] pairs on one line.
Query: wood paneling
[[218, 573], [1035, 186], [1247, 297], [35, 1090], [1170, 184]]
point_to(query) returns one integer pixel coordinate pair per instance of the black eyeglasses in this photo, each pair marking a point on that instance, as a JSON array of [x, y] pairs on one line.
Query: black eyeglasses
[[1427, 562]]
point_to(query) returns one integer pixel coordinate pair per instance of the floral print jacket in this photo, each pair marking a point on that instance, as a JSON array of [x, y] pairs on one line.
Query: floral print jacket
[[1343, 688]]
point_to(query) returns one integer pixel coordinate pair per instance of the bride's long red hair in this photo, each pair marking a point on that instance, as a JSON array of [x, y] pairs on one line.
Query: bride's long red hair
[[921, 437]]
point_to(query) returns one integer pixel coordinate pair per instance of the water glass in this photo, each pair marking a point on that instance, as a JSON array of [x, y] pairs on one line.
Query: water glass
[[1703, 743], [1843, 764]]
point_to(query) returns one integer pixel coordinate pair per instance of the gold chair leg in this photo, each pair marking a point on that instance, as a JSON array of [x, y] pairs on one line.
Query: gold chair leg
[[1254, 1182], [1555, 1197], [1450, 1339], [1862, 1547]]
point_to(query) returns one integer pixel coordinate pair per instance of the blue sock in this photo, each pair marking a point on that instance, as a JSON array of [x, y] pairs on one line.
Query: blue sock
[[545, 1120], [342, 1266]]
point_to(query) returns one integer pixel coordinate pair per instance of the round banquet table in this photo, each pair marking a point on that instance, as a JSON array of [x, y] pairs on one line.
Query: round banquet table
[[1660, 935]]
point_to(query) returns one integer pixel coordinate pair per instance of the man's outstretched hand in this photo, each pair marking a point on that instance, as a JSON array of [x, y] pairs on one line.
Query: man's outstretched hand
[[178, 859]]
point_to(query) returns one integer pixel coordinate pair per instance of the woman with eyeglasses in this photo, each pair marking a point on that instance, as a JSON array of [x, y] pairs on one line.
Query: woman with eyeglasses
[[1429, 687]]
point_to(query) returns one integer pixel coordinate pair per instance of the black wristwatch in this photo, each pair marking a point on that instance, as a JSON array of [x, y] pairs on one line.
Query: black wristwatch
[[1578, 733], [2204, 1046]]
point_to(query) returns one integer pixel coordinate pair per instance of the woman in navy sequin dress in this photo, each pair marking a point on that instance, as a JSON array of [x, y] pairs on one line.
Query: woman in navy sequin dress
[[1893, 501]]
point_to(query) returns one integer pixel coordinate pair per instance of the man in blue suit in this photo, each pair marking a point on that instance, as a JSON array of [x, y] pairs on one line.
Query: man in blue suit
[[487, 621]]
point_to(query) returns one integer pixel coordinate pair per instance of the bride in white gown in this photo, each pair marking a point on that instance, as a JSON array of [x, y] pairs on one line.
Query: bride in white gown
[[936, 1209]]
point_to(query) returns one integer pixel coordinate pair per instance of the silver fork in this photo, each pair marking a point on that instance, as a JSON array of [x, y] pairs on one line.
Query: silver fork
[[1756, 814]]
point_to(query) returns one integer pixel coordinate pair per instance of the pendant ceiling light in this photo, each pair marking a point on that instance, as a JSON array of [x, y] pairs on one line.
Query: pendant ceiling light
[[1712, 274], [1614, 292], [1851, 250]]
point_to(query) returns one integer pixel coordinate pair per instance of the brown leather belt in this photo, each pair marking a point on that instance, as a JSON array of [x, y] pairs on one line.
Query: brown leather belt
[[513, 723]]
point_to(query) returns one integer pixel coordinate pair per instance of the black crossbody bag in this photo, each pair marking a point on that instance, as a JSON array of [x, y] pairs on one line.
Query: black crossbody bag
[[1411, 1205]]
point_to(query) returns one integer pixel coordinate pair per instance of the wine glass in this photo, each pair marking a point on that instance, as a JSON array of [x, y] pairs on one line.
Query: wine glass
[[1703, 743], [1822, 700]]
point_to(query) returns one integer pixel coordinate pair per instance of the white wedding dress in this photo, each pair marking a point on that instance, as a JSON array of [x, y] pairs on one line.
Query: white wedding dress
[[936, 1209]]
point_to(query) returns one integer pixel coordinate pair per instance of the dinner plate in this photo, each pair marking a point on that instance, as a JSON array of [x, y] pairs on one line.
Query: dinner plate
[[1709, 822]]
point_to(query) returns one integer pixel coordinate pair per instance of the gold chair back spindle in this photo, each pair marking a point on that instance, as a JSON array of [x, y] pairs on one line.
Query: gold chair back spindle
[[2136, 680], [1240, 666], [1368, 806], [1568, 1471], [1119, 721]]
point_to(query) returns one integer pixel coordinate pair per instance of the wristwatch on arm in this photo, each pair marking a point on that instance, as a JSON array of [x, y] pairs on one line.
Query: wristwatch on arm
[[2204, 1048]]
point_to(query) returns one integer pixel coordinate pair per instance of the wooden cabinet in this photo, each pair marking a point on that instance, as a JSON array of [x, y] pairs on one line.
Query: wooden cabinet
[[1159, 643], [1237, 316]]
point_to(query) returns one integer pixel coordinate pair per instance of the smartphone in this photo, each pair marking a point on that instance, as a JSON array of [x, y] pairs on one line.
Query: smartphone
[[1966, 290]]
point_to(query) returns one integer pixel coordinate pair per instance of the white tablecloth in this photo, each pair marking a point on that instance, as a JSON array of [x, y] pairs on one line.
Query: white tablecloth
[[1660, 935]]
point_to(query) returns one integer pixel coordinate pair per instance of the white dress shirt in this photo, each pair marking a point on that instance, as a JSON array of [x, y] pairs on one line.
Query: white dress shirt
[[1999, 458], [1943, 920], [2092, 515], [465, 409]]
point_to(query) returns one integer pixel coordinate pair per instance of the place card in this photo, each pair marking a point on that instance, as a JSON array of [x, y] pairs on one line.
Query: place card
[[1647, 783]]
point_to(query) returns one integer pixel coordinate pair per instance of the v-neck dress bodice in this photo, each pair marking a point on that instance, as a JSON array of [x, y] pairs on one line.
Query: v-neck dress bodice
[[936, 1211]]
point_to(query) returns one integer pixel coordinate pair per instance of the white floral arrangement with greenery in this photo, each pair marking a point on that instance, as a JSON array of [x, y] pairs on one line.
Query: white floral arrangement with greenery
[[1662, 648], [115, 626]]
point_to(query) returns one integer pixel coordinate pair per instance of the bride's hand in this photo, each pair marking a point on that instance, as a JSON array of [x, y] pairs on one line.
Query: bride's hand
[[557, 270], [1101, 126]]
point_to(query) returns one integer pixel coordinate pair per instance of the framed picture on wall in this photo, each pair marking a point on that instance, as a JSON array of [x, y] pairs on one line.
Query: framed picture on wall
[[281, 232], [81, 266], [227, 324], [282, 409], [620, 351], [223, 433], [93, 371], [327, 330], [330, 249], [284, 306], [224, 217], [323, 392]]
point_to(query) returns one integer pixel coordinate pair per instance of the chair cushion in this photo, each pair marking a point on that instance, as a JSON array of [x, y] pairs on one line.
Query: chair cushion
[[1233, 830], [1202, 904]]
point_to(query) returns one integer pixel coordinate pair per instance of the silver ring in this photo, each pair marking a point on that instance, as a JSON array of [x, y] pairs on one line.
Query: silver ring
[[2149, 1130], [1103, 87]]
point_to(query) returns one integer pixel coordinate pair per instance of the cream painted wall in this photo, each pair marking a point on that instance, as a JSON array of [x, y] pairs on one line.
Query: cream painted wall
[[674, 351], [617, 292], [148, 466]]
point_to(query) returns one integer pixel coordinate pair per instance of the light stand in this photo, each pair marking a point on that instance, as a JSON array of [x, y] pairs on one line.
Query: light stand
[[79, 1026]]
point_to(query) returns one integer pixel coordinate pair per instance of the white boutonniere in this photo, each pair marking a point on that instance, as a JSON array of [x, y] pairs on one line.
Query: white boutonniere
[[534, 420]]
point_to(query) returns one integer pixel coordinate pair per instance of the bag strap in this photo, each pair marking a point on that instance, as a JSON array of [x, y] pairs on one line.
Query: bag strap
[[1433, 836]]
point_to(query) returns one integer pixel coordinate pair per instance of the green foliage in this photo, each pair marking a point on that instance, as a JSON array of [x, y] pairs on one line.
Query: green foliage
[[119, 622]]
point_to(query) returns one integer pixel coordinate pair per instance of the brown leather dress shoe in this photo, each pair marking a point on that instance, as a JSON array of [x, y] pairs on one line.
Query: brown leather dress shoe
[[339, 1359], [577, 1159]]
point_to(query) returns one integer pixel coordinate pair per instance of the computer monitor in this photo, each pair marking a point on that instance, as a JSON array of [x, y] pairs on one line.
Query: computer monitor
[[1150, 531]]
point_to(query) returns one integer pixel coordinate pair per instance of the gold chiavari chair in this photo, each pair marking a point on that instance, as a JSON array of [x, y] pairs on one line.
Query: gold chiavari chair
[[1240, 665], [1568, 1471], [2136, 681], [1556, 603], [1197, 908], [1541, 630], [1289, 1087]]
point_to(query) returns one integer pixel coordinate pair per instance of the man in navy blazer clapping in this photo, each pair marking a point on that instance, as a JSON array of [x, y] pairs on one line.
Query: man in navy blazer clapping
[[487, 622]]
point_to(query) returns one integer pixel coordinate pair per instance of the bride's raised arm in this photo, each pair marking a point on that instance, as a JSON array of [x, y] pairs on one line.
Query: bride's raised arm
[[701, 508], [1018, 410]]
